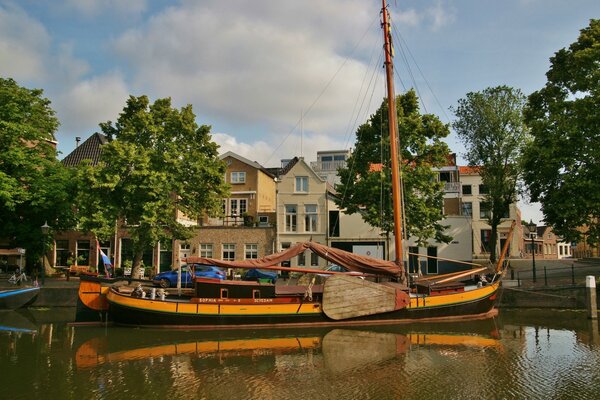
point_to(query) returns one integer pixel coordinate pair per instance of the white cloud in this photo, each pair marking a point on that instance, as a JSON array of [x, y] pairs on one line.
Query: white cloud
[[87, 103], [246, 63], [440, 16], [23, 44], [268, 153]]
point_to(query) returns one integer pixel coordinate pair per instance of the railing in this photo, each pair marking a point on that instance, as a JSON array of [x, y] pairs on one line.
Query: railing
[[452, 187], [327, 165], [553, 276]]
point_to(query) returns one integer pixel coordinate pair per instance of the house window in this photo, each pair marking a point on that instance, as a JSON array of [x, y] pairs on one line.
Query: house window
[[301, 259], [445, 176], [302, 184], [238, 177], [483, 189], [334, 223], [206, 250], [228, 252], [251, 251], [467, 189], [62, 253], [484, 211], [83, 252], [185, 246], [238, 207], [263, 220], [467, 208], [310, 217], [314, 259], [486, 235], [291, 218]]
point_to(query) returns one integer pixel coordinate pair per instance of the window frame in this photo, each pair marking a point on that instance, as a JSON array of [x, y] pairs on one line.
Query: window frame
[[228, 248], [206, 250], [237, 177], [252, 249], [311, 218], [291, 218], [301, 184]]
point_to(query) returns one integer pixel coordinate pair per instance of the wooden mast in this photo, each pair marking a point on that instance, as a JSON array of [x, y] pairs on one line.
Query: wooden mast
[[389, 71]]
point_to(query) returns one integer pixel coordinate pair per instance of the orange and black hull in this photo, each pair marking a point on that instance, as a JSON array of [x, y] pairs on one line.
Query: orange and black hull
[[265, 313]]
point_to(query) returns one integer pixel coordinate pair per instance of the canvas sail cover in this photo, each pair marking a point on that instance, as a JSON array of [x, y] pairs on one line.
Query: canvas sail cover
[[354, 262]]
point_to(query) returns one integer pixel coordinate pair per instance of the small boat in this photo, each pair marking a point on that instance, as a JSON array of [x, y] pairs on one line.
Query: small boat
[[385, 296], [12, 299]]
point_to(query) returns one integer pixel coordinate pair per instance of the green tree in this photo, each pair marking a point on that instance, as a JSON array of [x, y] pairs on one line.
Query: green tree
[[562, 163], [158, 162], [369, 192], [490, 125], [34, 186]]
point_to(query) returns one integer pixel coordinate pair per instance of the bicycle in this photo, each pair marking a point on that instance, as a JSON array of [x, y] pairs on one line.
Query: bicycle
[[17, 277]]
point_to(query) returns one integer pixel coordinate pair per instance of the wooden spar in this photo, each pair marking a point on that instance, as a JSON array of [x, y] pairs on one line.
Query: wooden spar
[[389, 72], [445, 259], [450, 274], [461, 275], [302, 270], [505, 247]]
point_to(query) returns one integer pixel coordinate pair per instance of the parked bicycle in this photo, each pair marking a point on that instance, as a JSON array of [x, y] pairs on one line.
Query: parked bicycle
[[17, 277]]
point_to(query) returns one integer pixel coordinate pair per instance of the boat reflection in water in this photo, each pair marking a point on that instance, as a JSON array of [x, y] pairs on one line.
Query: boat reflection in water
[[17, 322], [337, 350]]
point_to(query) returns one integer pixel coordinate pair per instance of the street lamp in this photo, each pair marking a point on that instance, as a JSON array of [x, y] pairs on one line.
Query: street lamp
[[45, 230], [532, 230]]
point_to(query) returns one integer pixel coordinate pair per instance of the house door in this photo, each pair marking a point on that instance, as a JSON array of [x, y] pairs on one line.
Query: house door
[[185, 250], [432, 263], [413, 260]]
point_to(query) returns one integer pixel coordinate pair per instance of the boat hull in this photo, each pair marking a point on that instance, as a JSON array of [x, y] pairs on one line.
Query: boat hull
[[17, 298], [256, 313]]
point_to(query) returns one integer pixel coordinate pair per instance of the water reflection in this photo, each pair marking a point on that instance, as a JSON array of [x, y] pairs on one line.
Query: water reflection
[[525, 354]]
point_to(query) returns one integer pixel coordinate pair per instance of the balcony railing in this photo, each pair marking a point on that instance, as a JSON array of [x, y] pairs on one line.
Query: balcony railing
[[327, 165], [452, 187]]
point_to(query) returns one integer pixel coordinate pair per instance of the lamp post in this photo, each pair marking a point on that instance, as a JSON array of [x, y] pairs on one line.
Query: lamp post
[[45, 230], [532, 230]]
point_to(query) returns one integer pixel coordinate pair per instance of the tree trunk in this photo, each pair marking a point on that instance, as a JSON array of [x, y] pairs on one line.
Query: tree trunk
[[493, 241], [137, 261]]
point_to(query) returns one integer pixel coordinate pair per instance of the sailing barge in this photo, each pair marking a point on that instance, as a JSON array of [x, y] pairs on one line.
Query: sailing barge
[[343, 299]]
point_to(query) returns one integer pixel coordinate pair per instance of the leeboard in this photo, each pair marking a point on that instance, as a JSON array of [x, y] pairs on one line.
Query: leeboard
[[350, 297]]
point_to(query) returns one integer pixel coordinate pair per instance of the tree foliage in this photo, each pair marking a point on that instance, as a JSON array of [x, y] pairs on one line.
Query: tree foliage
[[421, 146], [158, 162], [491, 127], [562, 163], [34, 186]]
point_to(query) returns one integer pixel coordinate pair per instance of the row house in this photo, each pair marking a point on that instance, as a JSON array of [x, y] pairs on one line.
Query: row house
[[475, 211], [246, 229], [301, 210], [545, 244]]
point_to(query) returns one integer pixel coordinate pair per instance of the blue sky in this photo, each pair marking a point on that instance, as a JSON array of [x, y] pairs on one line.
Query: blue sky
[[251, 69]]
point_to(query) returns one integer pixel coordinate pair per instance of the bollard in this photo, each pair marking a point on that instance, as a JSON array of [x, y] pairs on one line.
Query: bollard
[[153, 293], [590, 288]]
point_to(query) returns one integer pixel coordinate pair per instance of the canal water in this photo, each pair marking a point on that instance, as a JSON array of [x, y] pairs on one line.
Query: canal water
[[521, 354]]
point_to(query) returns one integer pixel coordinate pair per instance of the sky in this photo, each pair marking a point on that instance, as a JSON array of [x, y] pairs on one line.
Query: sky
[[277, 79]]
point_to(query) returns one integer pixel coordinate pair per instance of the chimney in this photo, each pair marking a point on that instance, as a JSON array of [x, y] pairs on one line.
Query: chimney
[[77, 140]]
